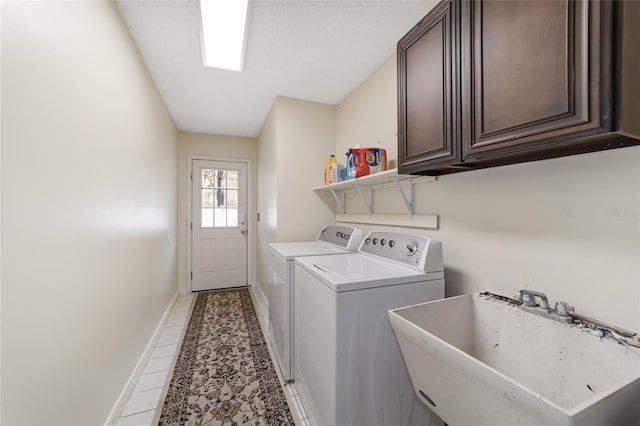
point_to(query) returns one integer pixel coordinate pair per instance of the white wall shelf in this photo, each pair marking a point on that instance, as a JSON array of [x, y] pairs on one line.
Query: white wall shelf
[[429, 221], [366, 184]]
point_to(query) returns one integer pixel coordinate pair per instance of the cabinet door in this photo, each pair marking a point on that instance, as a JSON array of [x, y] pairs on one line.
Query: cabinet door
[[427, 91], [531, 74]]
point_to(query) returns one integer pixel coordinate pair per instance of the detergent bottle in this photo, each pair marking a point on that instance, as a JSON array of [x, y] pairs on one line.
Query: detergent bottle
[[359, 160], [349, 171], [331, 170]]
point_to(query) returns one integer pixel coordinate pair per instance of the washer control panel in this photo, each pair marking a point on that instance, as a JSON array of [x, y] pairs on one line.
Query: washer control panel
[[408, 249], [343, 236]]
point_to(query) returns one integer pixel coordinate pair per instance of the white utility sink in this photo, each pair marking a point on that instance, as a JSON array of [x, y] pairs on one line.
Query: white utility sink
[[478, 361]]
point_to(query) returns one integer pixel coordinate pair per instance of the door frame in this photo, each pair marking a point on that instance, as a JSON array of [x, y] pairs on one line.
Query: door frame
[[250, 214]]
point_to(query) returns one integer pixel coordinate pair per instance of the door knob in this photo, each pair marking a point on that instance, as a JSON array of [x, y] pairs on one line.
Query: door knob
[[243, 231]]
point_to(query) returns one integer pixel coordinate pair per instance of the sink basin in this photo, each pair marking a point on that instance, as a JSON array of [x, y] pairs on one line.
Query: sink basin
[[479, 361]]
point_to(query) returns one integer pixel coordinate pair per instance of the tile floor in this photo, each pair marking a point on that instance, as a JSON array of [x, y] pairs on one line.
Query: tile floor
[[140, 408], [298, 411]]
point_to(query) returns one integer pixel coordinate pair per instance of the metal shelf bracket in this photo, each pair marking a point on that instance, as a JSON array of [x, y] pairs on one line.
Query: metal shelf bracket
[[367, 203], [408, 200], [339, 202]]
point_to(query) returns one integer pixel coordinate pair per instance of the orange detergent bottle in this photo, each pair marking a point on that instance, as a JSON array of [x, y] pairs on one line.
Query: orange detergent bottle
[[330, 170]]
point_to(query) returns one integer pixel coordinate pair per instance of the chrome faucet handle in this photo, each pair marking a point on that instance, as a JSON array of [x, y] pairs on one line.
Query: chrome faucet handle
[[563, 308], [518, 296], [528, 298], [544, 303]]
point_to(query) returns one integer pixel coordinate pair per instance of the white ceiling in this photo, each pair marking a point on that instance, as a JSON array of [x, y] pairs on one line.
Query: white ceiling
[[313, 50]]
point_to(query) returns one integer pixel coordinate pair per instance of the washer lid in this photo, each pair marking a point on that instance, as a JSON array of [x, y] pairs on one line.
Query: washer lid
[[289, 251], [356, 271]]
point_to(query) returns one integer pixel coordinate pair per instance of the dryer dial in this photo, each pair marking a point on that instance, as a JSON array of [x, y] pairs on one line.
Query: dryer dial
[[412, 248]]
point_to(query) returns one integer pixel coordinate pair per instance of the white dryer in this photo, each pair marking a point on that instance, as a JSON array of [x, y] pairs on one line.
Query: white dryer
[[348, 366], [330, 240]]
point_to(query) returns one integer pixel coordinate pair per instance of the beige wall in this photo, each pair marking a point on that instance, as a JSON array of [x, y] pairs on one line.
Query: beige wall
[[569, 226], [305, 139], [293, 147], [267, 196], [367, 115], [88, 211], [219, 147]]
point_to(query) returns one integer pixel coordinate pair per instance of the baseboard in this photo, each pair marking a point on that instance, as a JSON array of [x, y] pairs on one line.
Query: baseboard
[[257, 291], [123, 398], [261, 302]]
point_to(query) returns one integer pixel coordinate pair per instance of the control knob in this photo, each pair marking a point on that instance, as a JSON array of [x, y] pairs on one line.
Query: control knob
[[412, 248]]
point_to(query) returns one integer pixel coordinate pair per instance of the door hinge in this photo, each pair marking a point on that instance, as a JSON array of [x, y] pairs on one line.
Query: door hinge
[[191, 176], [192, 276], [191, 226]]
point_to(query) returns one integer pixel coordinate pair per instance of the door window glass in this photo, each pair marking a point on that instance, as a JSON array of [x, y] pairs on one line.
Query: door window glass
[[219, 198]]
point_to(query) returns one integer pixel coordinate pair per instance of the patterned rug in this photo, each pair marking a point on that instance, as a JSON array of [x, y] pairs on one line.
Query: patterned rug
[[223, 374]]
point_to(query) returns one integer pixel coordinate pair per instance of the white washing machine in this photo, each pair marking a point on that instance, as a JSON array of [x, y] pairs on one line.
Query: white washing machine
[[348, 366], [330, 240]]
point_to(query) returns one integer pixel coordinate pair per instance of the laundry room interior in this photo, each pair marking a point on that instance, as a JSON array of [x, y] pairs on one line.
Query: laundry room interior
[[137, 183]]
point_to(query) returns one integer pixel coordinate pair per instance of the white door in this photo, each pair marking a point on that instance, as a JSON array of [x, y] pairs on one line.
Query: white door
[[219, 231]]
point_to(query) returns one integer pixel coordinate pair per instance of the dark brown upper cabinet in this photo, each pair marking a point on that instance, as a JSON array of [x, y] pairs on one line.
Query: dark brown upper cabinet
[[428, 70], [530, 78], [522, 81]]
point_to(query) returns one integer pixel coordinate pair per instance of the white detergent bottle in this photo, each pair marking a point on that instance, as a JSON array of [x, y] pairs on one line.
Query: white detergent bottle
[[350, 171]]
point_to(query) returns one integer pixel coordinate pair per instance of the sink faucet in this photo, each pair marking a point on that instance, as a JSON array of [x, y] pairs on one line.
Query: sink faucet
[[561, 312], [528, 299]]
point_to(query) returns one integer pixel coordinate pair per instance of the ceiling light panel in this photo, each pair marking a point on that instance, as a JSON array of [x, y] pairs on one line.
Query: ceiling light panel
[[223, 33]]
